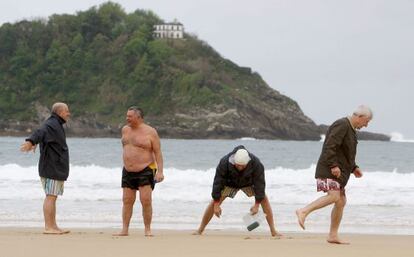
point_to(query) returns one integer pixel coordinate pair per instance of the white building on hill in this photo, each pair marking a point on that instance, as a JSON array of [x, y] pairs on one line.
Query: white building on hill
[[169, 30]]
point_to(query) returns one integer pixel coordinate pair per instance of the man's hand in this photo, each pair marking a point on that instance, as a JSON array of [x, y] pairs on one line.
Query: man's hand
[[217, 210], [357, 173], [159, 177], [27, 146], [336, 171], [254, 209]]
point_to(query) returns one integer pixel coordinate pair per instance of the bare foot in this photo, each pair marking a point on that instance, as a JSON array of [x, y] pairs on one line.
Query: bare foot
[[122, 233], [335, 240], [148, 233], [301, 218], [197, 233], [55, 231], [276, 234]]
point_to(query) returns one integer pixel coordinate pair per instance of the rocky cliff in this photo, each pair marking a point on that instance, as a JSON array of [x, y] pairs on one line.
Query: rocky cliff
[[217, 123]]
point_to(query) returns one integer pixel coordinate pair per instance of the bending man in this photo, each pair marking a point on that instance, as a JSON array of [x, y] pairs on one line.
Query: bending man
[[239, 170]]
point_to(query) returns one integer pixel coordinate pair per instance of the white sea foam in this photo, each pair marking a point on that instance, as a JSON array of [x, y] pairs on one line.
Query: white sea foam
[[283, 185], [247, 138], [381, 200], [398, 137], [323, 136]]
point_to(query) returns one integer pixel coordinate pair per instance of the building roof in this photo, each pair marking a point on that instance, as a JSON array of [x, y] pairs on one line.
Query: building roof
[[170, 23]]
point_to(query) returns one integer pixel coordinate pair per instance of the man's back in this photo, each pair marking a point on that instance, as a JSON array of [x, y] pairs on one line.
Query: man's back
[[228, 175], [54, 152], [339, 150]]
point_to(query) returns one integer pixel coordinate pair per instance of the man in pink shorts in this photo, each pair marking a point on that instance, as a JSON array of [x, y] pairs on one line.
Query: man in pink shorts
[[335, 165]]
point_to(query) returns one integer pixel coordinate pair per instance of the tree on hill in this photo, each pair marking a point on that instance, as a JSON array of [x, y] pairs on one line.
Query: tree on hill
[[102, 60]]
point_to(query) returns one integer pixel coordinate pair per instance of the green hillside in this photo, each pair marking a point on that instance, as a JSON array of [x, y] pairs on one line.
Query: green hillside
[[102, 60]]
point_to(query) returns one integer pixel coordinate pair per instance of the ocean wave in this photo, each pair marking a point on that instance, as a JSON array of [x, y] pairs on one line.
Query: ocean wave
[[247, 138], [323, 136], [283, 185], [398, 137]]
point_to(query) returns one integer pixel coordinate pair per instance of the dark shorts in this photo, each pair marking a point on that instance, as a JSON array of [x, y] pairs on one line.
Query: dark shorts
[[134, 180]]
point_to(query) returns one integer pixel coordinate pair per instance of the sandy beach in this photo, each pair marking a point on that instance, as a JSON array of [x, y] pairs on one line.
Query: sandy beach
[[16, 242]]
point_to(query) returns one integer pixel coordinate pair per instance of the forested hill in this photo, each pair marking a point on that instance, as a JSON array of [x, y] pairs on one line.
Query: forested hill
[[103, 60]]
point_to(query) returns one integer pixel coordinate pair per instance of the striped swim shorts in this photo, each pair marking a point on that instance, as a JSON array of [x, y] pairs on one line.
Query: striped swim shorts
[[52, 187], [231, 191]]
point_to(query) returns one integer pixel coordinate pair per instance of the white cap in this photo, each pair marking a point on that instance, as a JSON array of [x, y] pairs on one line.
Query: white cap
[[241, 157]]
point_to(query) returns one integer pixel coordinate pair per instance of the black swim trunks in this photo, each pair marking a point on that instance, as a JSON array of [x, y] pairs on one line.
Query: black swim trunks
[[134, 180]]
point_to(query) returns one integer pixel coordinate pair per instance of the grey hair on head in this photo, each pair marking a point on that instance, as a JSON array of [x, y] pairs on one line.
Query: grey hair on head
[[363, 110], [58, 107], [138, 111]]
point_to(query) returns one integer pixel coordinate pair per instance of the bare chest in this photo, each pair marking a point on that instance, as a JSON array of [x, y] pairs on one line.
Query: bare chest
[[136, 140]]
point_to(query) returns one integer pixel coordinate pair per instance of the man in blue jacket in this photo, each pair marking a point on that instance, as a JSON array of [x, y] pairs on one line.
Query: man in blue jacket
[[239, 170], [53, 161]]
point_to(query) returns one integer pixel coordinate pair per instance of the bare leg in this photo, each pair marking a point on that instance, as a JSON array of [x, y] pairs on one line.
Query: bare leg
[[128, 200], [329, 198], [49, 213], [336, 217], [267, 209], [208, 214], [145, 196]]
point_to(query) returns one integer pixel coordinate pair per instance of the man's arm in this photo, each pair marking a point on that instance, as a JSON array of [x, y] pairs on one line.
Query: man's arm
[[259, 185], [218, 186], [219, 180], [124, 130], [32, 141], [27, 146], [156, 147], [259, 182], [357, 172]]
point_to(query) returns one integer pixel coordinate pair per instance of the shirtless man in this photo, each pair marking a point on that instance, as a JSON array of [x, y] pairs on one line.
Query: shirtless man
[[143, 167]]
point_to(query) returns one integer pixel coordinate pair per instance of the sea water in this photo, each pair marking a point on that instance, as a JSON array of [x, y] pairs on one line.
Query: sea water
[[380, 202]]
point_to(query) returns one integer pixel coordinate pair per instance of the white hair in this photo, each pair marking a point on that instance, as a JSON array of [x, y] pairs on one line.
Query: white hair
[[58, 107], [363, 110]]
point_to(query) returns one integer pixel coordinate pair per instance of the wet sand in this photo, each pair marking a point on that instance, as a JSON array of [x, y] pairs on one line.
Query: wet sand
[[16, 242]]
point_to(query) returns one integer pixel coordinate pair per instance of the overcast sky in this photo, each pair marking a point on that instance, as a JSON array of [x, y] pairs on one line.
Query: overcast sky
[[328, 55]]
